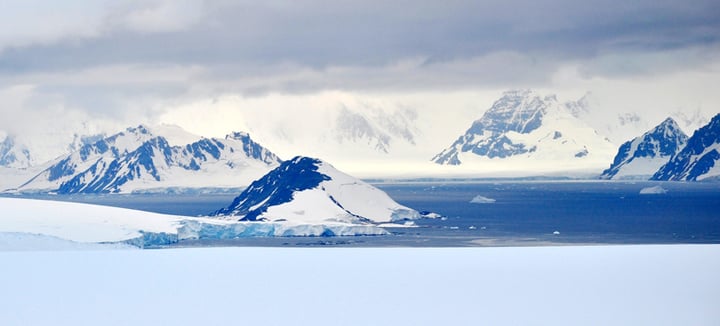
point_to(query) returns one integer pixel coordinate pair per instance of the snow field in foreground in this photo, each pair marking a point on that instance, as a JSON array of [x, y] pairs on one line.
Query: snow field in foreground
[[595, 285]]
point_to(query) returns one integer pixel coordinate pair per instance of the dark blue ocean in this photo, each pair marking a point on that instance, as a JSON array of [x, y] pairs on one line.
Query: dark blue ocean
[[523, 213]]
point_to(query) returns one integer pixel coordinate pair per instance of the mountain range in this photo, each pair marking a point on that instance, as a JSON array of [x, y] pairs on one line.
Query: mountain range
[[522, 134], [138, 159]]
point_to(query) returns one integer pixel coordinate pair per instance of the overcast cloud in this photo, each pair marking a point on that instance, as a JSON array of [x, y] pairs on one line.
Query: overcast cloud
[[114, 58]]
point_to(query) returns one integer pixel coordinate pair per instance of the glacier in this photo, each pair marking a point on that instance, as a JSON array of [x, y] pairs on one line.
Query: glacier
[[83, 223]]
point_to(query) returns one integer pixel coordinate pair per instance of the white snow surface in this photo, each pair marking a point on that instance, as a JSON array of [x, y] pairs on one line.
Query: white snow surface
[[175, 135], [85, 223], [567, 285], [641, 167]]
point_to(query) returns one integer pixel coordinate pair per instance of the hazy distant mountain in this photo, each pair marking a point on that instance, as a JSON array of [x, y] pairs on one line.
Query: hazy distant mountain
[[14, 154], [523, 126], [698, 160], [378, 130], [138, 158], [607, 121], [690, 121], [641, 157]]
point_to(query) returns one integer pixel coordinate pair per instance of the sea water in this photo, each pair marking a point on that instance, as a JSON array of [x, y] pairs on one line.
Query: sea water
[[505, 213], [574, 212]]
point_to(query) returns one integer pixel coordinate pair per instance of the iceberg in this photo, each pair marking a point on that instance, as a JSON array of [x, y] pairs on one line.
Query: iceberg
[[482, 200], [656, 190]]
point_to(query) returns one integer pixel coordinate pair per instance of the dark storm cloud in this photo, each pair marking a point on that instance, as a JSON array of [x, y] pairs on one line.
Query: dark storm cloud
[[297, 45]]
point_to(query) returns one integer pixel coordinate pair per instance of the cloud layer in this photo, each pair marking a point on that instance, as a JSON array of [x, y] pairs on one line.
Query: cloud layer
[[110, 59]]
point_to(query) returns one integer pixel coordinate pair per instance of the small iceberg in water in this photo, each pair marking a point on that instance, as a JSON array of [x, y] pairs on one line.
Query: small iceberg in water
[[656, 190], [482, 200]]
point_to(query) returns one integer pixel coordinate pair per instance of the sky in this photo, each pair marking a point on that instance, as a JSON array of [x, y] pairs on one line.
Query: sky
[[95, 65]]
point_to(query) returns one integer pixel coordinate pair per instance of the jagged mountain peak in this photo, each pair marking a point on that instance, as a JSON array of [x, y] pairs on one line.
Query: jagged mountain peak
[[138, 158], [669, 127], [517, 110], [641, 157], [698, 159], [525, 124]]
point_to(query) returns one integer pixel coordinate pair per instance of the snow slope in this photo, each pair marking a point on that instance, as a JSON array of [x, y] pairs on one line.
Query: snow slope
[[309, 190], [642, 156], [100, 224], [558, 286], [10, 178]]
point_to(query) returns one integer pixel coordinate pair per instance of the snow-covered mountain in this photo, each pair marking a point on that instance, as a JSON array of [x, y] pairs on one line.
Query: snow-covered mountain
[[345, 132], [698, 159], [377, 130], [528, 131], [17, 164], [138, 159], [641, 157], [309, 190], [366, 135], [14, 154]]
